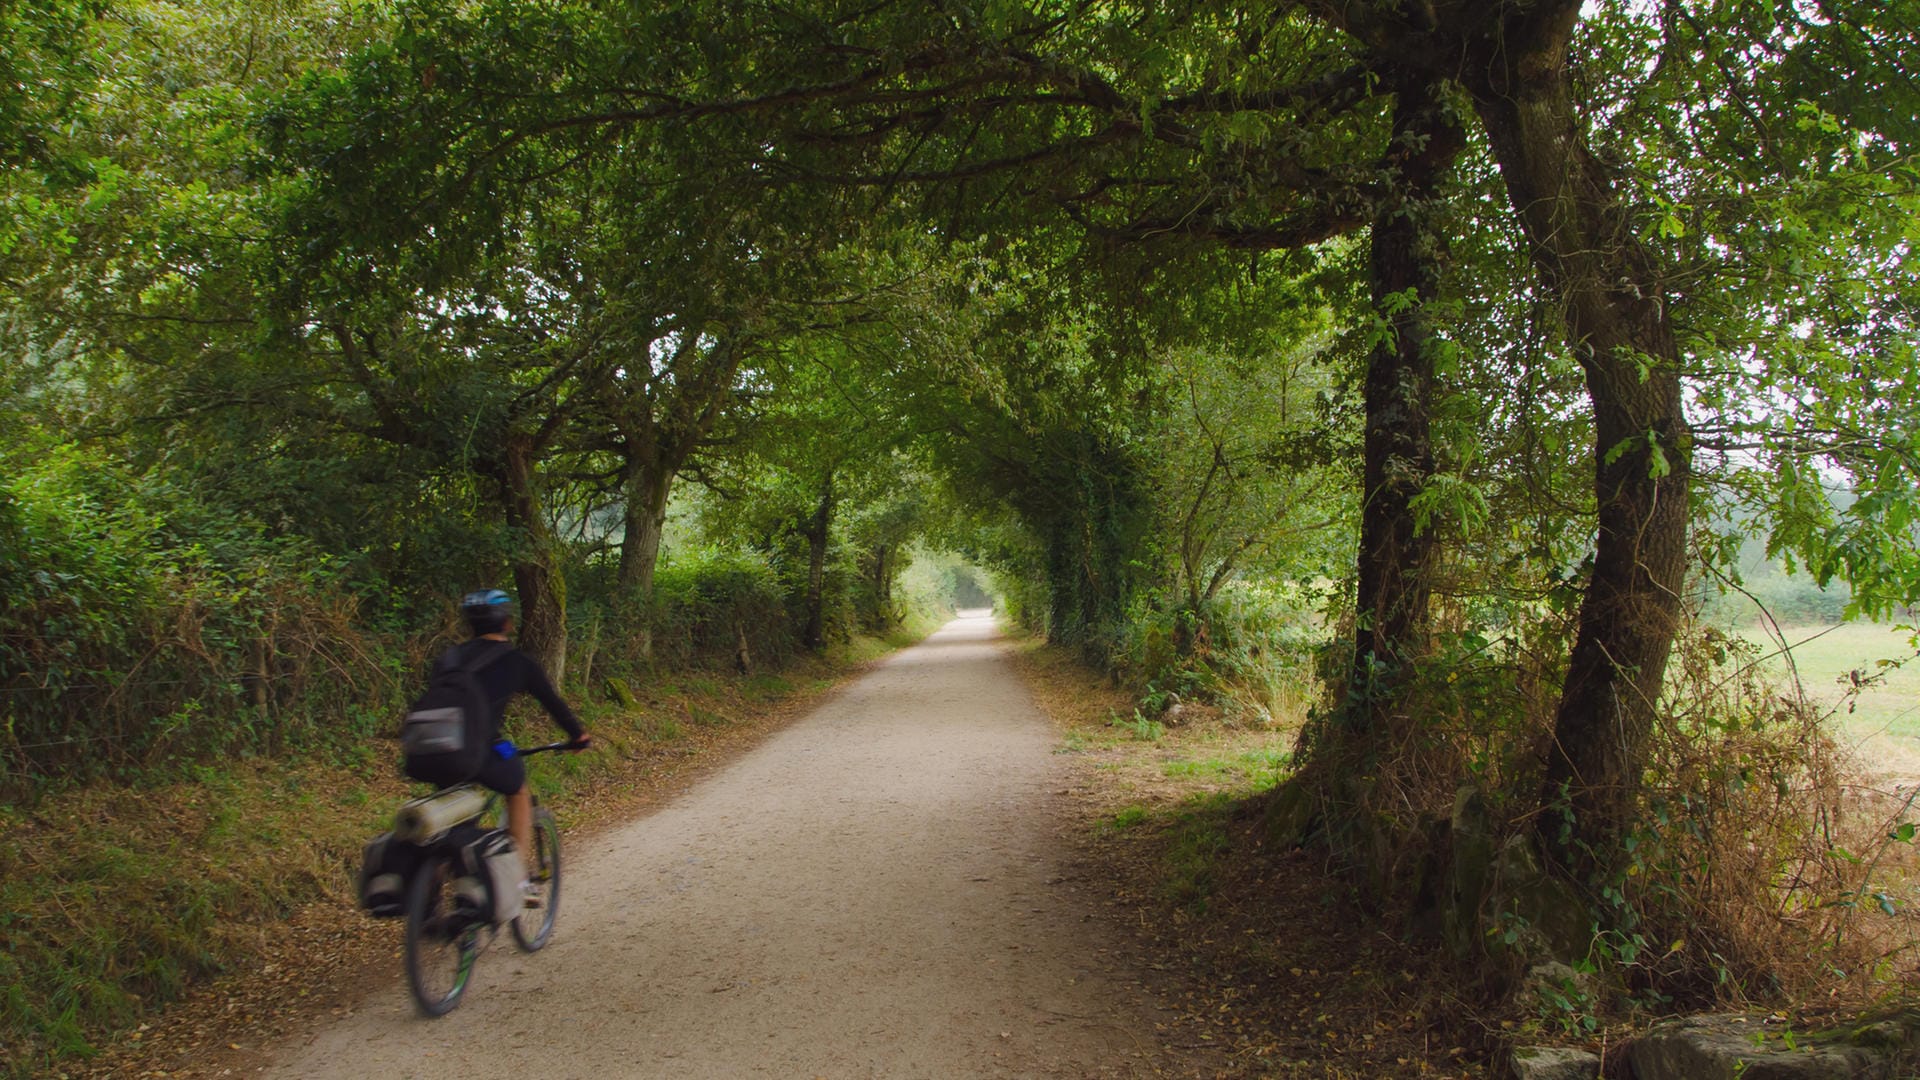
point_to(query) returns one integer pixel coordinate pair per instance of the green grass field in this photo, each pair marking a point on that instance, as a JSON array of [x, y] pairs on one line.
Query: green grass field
[[1828, 659]]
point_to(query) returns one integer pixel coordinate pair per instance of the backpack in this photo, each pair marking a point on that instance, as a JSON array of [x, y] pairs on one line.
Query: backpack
[[445, 733]]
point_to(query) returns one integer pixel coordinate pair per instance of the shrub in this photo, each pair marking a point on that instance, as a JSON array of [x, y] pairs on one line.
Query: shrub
[[1252, 650], [708, 602], [135, 638]]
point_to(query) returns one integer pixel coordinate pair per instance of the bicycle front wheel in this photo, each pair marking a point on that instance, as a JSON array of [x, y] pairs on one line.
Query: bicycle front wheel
[[443, 938], [534, 925]]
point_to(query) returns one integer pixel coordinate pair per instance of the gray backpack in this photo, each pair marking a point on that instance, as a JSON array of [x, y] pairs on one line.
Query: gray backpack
[[445, 732]]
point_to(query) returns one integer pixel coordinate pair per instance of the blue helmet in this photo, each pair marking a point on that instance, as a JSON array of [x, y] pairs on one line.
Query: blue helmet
[[487, 611]]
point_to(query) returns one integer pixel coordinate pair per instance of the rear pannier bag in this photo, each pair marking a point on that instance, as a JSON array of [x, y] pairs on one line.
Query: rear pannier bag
[[445, 733], [386, 865], [495, 863]]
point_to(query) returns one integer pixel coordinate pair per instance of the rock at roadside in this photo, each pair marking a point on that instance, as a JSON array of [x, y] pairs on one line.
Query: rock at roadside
[[1554, 1063], [618, 690], [1725, 1047]]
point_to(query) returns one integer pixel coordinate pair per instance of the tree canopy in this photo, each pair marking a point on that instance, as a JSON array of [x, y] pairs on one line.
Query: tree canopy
[[1481, 329]]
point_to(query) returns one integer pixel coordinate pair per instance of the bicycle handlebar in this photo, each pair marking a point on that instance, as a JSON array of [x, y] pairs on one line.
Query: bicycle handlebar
[[568, 747]]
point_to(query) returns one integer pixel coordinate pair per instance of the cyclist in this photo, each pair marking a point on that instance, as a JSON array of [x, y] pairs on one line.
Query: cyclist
[[489, 614]]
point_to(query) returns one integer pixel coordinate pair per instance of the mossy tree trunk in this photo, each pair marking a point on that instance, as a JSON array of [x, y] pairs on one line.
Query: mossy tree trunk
[[1588, 252], [659, 420], [818, 530], [541, 587], [1407, 257]]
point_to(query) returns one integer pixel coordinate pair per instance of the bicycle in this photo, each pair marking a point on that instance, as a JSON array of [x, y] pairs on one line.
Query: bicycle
[[445, 922]]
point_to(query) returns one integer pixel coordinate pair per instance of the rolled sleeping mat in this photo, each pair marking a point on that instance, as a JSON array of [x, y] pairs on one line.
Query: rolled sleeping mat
[[422, 820]]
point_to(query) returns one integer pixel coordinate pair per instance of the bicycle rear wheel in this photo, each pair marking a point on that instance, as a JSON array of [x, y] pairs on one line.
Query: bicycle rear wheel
[[443, 938], [534, 926]]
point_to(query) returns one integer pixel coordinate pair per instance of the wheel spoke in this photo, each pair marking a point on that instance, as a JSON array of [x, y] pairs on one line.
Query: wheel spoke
[[533, 926], [441, 943]]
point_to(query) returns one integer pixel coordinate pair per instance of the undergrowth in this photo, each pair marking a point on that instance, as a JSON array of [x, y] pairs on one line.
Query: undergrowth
[[145, 629], [1272, 960], [1765, 869], [1782, 868], [1249, 653]]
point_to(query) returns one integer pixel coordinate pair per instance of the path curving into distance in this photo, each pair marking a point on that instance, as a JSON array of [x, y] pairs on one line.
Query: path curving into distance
[[878, 890]]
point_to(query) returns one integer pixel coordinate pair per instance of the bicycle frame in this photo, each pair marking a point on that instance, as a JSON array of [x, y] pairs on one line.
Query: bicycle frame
[[428, 923]]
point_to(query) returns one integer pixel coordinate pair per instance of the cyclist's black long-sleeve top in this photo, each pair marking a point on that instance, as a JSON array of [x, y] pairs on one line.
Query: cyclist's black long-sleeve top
[[513, 672]]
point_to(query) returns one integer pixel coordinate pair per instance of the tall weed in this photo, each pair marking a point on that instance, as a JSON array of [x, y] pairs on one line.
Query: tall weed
[[1251, 651], [1764, 863]]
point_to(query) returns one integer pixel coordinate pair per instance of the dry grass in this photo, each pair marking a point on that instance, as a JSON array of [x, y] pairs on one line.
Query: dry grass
[[1865, 675], [1772, 866], [1770, 872]]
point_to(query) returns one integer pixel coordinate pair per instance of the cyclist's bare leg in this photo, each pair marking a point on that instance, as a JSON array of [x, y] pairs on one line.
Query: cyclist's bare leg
[[520, 824]]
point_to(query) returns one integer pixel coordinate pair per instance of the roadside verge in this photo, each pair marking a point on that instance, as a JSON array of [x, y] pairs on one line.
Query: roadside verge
[[204, 920], [1269, 962]]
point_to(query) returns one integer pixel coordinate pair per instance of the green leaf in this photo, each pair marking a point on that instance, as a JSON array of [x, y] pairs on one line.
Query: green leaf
[[1657, 463]]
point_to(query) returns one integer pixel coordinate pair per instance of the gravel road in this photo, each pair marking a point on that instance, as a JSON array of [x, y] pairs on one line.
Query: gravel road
[[879, 890]]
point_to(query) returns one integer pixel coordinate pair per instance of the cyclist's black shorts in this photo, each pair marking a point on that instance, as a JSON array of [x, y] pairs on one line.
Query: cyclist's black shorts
[[504, 775]]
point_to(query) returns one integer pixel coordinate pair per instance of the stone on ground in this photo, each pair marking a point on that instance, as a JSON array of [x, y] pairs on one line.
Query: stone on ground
[[1554, 1063], [1724, 1047]]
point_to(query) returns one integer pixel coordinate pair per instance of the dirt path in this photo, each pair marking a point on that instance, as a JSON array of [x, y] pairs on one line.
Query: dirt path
[[878, 890]]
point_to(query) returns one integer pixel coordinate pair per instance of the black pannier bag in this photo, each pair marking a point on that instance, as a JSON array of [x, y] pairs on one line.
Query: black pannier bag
[[386, 866], [445, 733]]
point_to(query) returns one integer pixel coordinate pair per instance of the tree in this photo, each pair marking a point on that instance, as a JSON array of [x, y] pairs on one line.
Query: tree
[[673, 274], [1407, 256], [601, 238], [825, 441], [1246, 456]]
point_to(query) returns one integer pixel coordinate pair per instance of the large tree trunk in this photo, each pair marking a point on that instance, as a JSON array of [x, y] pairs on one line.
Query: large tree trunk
[[661, 421], [818, 531], [1395, 555], [543, 602], [648, 485], [1591, 258], [876, 575]]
